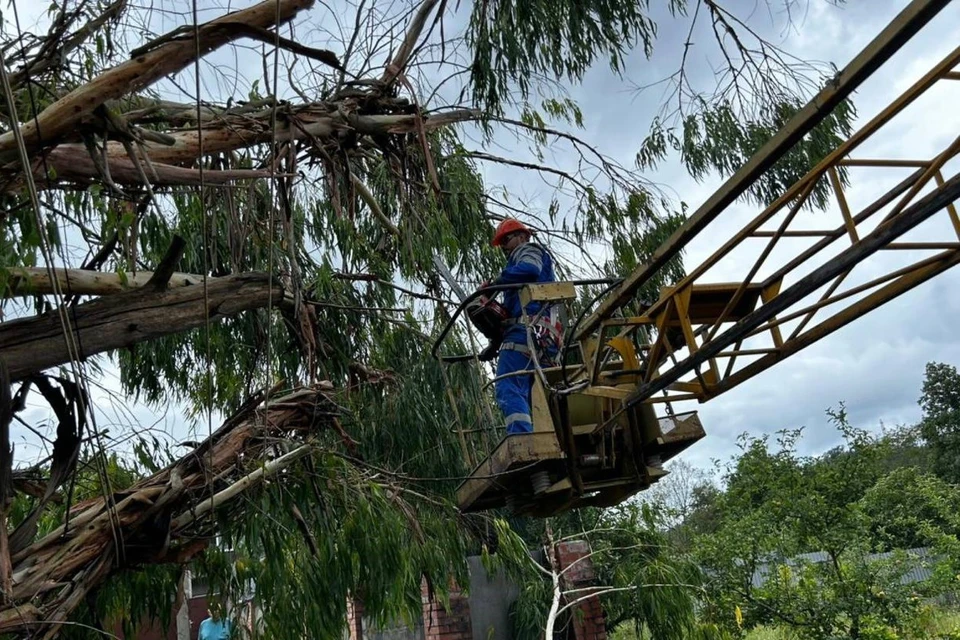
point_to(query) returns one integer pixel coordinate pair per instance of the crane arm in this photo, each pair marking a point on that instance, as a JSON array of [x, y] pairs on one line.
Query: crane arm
[[907, 24], [786, 277], [801, 281], [797, 271]]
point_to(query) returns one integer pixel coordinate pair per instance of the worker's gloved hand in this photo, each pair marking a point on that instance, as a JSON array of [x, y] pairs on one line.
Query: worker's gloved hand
[[489, 353], [483, 285]]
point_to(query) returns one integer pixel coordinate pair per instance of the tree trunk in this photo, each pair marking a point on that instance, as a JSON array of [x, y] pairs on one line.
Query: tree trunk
[[184, 593], [71, 162], [30, 345], [134, 155], [319, 121]]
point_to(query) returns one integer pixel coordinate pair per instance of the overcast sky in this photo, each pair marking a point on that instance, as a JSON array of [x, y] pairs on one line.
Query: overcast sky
[[875, 365]]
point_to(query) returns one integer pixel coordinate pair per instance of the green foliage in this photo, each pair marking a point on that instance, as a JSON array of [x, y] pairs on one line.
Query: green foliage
[[718, 138], [410, 424], [940, 427], [645, 583], [514, 41], [933, 622], [910, 508], [842, 508], [366, 539], [378, 519]]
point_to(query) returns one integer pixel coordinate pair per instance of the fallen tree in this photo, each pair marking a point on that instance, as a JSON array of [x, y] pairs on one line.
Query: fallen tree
[[134, 153], [166, 518], [320, 170], [167, 55]]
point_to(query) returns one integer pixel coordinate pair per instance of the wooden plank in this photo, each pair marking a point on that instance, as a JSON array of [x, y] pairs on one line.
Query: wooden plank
[[540, 409], [614, 393], [547, 292], [513, 451], [770, 292]]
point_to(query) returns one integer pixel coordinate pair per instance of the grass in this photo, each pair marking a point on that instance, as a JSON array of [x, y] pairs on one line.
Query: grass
[[770, 633], [937, 624]]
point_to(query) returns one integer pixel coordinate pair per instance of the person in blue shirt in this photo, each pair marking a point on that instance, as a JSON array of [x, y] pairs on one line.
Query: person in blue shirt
[[215, 627], [527, 262]]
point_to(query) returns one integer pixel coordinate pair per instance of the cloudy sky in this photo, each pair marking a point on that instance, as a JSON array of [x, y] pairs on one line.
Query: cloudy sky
[[875, 365]]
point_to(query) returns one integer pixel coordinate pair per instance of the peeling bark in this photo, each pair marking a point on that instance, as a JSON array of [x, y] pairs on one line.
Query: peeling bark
[[171, 54], [164, 163], [55, 573], [318, 121], [28, 281], [72, 163]]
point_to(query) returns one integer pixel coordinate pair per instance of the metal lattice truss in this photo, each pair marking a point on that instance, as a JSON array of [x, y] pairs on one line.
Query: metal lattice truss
[[807, 273]]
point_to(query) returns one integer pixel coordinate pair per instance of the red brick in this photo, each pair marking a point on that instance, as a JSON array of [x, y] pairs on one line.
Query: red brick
[[577, 572], [446, 623], [355, 618]]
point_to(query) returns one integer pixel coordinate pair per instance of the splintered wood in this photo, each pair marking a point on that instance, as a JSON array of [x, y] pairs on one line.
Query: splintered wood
[[165, 518]]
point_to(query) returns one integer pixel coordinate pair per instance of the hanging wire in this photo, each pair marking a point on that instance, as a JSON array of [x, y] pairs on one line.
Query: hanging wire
[[493, 289], [71, 337], [205, 232]]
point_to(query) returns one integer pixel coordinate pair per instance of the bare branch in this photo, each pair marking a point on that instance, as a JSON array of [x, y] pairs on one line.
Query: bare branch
[[400, 60]]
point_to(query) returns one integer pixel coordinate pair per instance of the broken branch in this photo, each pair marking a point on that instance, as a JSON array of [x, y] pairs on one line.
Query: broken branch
[[30, 345], [29, 281], [164, 272], [64, 115]]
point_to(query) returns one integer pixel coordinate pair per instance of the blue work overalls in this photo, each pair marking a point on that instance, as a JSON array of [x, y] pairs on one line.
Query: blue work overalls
[[529, 263]]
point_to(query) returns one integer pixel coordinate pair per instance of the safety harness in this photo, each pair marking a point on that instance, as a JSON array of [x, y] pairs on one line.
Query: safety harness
[[547, 333]]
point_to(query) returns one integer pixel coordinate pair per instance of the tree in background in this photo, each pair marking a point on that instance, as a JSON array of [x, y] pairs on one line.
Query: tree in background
[[225, 230], [798, 538], [642, 579], [686, 499], [940, 426]]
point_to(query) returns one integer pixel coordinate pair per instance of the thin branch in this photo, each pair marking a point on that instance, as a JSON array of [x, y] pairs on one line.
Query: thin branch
[[400, 60], [372, 203]]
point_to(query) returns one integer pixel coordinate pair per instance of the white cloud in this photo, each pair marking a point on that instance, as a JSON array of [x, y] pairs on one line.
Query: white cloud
[[874, 365]]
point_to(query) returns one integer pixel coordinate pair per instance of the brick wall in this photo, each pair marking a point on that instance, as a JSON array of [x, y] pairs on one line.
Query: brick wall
[[457, 621], [589, 622], [446, 623], [355, 618]]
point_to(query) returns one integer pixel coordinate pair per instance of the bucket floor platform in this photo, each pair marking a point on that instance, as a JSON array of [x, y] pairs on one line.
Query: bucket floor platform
[[506, 479]]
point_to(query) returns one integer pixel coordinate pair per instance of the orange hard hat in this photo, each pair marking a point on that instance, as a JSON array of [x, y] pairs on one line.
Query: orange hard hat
[[505, 228]]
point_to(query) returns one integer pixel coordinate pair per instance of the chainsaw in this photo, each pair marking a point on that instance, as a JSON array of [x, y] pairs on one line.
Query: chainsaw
[[485, 313]]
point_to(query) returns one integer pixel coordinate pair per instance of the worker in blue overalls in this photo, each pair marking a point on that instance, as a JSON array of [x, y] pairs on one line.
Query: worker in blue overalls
[[527, 262]]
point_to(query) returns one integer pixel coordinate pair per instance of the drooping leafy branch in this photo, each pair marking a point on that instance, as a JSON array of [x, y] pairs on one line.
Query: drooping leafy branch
[[336, 167]]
